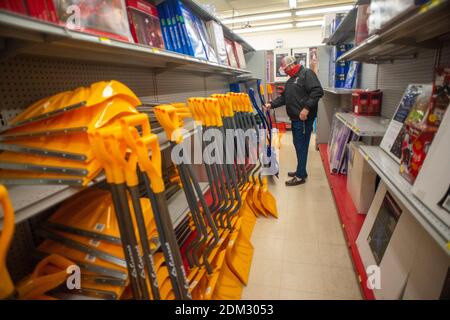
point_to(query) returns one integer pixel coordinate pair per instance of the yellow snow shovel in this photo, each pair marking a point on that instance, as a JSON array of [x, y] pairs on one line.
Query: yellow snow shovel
[[37, 163], [70, 100], [78, 120], [6, 285]]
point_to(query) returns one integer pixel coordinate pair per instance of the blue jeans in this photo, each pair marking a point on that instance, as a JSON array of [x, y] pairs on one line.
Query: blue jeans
[[301, 134]]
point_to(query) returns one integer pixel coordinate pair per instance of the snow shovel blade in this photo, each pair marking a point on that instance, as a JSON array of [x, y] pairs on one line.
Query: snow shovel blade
[[16, 177], [248, 220], [268, 200], [40, 281], [91, 213], [83, 260], [71, 100], [240, 254], [6, 235], [74, 146], [37, 163], [228, 287], [79, 120]]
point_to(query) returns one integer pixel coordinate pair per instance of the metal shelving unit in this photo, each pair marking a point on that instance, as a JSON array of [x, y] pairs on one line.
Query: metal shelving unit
[[345, 30], [420, 27], [339, 90], [364, 126], [24, 35], [388, 171]]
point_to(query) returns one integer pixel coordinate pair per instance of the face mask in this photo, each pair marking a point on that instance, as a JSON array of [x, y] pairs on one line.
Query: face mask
[[293, 71]]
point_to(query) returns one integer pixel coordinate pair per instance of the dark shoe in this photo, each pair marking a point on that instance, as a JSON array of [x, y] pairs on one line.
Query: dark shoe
[[293, 174], [295, 181]]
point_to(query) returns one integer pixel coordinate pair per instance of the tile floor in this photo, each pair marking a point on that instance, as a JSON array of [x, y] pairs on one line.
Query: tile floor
[[303, 254]]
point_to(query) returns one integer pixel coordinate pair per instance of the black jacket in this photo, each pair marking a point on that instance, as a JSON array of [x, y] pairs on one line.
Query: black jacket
[[301, 91]]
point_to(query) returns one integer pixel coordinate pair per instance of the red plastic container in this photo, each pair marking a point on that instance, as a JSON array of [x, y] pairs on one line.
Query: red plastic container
[[366, 102]]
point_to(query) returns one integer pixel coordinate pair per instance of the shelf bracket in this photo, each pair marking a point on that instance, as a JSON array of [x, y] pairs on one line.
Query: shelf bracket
[[168, 67], [10, 48]]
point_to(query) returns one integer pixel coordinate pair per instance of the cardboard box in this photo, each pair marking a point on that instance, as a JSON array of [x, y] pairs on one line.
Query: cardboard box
[[360, 179]]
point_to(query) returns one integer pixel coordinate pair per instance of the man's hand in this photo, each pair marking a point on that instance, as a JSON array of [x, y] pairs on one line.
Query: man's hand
[[267, 106], [304, 114]]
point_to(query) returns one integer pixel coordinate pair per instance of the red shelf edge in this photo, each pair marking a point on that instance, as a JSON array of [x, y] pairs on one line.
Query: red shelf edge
[[349, 217]]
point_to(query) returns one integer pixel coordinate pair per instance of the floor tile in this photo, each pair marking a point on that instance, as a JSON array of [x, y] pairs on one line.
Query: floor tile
[[302, 277], [258, 292], [266, 272]]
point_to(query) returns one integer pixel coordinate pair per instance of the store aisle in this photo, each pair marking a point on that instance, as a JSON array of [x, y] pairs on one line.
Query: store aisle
[[303, 254]]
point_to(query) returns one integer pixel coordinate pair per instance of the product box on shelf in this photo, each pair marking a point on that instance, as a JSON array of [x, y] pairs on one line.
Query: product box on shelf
[[327, 26], [144, 23], [337, 21], [422, 124], [432, 185], [367, 102], [232, 59], [42, 10], [17, 6], [168, 43], [393, 138], [361, 179], [102, 18], [215, 31], [206, 41], [361, 29], [240, 54]]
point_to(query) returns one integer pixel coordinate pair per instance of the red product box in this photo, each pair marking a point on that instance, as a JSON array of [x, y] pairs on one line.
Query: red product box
[[367, 102], [144, 23], [103, 18], [42, 10], [17, 6], [415, 146]]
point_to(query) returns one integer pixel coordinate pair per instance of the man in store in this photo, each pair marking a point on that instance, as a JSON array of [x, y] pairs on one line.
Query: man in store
[[301, 95]]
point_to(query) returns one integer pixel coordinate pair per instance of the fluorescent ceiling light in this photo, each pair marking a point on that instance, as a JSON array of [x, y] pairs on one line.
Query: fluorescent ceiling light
[[309, 12], [265, 28], [257, 17], [309, 23], [292, 4]]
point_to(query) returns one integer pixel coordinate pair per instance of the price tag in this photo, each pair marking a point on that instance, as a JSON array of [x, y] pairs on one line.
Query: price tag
[[367, 157], [104, 40], [155, 50]]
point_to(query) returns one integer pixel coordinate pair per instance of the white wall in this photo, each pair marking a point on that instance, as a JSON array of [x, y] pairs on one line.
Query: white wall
[[293, 38]]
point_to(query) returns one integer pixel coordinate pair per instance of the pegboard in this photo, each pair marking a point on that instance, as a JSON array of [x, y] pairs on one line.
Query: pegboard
[[176, 86], [27, 79], [394, 78], [368, 76]]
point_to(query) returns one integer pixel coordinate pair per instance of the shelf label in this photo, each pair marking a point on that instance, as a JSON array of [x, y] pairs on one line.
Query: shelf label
[[155, 50], [104, 40]]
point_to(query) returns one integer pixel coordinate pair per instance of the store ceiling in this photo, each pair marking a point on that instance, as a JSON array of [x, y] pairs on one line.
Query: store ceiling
[[227, 9]]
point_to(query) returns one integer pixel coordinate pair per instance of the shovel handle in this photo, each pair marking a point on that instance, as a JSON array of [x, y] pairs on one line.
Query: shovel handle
[[126, 166], [151, 165], [100, 153], [134, 121], [6, 284], [169, 120]]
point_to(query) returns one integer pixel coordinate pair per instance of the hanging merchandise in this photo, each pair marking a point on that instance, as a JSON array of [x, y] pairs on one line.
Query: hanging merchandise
[[144, 23], [232, 59], [393, 138], [99, 17], [215, 31]]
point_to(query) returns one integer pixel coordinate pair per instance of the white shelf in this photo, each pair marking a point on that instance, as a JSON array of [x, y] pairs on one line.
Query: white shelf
[[24, 35], [364, 126], [339, 90], [388, 170]]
